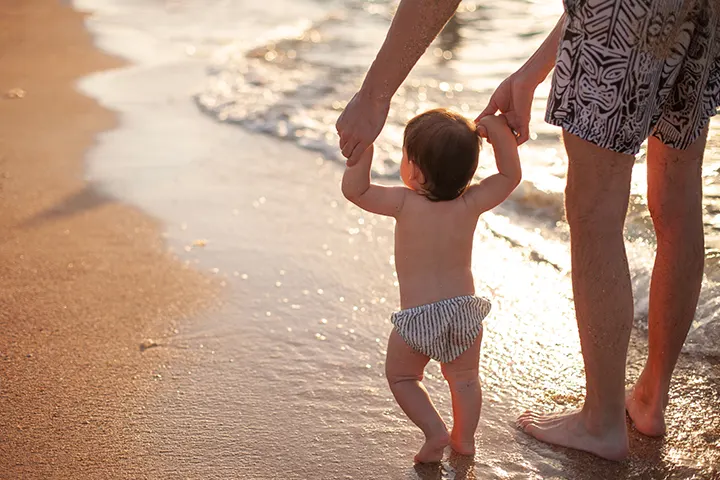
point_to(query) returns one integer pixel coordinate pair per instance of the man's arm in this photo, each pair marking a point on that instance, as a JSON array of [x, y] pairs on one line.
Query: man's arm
[[493, 190], [357, 188], [537, 67], [414, 27], [514, 95]]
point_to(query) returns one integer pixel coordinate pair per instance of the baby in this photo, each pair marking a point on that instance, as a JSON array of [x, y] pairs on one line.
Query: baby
[[436, 212]]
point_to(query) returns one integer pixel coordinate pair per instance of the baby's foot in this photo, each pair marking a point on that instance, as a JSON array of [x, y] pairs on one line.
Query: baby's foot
[[647, 413], [433, 449], [462, 446]]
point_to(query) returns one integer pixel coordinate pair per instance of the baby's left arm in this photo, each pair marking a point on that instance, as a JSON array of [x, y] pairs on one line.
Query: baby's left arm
[[357, 188]]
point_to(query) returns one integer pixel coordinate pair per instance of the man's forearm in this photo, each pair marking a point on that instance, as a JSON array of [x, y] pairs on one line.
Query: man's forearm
[[538, 66], [414, 27]]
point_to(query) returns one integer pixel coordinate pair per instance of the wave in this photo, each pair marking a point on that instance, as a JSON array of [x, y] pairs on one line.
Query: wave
[[293, 85]]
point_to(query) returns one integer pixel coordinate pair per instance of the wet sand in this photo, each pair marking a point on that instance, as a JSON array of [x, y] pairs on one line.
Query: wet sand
[[285, 379], [84, 279]]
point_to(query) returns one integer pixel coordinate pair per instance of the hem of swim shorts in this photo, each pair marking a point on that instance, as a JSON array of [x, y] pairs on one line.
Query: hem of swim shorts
[[709, 113], [712, 111], [578, 132], [689, 140]]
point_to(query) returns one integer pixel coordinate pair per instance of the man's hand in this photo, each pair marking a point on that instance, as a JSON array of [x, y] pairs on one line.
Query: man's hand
[[415, 24], [514, 99], [360, 124], [514, 95]]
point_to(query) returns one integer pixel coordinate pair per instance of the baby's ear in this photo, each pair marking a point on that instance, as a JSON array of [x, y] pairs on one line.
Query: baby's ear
[[417, 174]]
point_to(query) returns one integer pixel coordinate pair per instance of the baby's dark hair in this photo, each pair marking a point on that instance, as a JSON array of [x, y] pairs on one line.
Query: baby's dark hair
[[445, 146]]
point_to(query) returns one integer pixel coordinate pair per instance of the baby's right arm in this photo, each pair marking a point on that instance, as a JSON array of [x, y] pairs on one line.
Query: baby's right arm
[[357, 187], [493, 190]]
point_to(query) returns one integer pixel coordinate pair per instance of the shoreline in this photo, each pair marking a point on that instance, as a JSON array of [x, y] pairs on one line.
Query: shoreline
[[285, 379], [85, 278]]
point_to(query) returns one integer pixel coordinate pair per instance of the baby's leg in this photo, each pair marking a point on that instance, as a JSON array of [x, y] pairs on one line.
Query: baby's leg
[[462, 377], [404, 369]]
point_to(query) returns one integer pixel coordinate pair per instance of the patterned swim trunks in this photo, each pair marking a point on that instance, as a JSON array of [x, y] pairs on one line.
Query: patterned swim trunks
[[442, 330], [627, 69]]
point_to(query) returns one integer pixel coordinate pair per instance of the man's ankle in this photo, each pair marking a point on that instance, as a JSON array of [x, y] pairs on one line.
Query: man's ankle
[[600, 419]]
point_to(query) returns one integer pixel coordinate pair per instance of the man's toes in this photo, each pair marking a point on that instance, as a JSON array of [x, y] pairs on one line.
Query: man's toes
[[525, 417], [533, 422], [530, 427], [528, 417], [550, 422], [526, 423]]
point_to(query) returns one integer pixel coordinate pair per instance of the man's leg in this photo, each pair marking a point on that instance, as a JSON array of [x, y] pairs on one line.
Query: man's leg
[[597, 193], [675, 202]]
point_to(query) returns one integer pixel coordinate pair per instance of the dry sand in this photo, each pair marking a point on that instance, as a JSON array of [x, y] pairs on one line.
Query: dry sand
[[84, 279]]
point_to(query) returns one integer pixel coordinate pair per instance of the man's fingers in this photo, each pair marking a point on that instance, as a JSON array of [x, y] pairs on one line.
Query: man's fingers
[[352, 161], [349, 147], [347, 141], [521, 127], [339, 127], [523, 135], [356, 155], [489, 110]]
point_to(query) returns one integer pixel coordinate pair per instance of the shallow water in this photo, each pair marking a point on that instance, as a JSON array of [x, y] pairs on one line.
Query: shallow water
[[285, 379], [294, 86], [286, 69]]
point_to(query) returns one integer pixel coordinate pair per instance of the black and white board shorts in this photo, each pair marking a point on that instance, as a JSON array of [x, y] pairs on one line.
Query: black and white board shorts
[[628, 69]]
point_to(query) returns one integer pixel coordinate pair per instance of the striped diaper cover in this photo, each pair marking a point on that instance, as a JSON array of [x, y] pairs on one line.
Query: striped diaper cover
[[445, 329]]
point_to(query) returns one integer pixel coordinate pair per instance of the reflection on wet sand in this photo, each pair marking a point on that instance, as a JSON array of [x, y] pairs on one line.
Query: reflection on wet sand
[[286, 379], [294, 361]]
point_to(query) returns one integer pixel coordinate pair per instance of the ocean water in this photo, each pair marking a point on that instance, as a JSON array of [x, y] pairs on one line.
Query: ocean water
[[227, 135], [293, 82]]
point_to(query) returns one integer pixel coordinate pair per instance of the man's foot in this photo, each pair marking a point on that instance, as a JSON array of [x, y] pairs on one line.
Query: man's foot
[[461, 446], [646, 413], [433, 449], [569, 430]]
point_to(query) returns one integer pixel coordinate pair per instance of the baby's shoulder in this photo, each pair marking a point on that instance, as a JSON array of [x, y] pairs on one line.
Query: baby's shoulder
[[419, 207]]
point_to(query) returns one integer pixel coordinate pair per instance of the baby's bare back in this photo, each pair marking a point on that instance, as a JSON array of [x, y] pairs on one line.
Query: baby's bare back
[[433, 250]]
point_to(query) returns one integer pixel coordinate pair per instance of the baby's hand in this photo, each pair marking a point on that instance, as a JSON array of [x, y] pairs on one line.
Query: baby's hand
[[481, 130], [366, 156], [488, 127]]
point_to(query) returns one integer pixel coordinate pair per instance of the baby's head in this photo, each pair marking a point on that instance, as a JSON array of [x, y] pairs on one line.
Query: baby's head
[[440, 154]]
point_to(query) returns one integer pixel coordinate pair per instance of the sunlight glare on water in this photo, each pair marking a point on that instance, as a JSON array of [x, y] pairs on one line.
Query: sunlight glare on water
[[295, 387]]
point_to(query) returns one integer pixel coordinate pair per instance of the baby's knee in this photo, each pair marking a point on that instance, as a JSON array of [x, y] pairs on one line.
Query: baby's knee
[[455, 375], [394, 375]]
